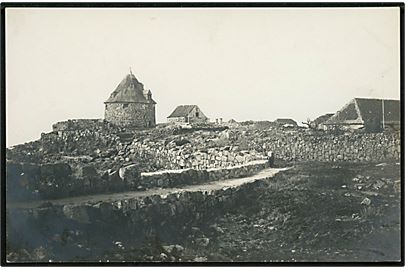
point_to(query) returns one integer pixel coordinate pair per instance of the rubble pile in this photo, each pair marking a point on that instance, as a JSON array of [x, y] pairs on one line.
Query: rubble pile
[[70, 139], [78, 157], [93, 156]]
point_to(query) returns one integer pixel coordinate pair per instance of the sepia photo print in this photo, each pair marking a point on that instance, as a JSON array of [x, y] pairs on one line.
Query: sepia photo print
[[202, 134]]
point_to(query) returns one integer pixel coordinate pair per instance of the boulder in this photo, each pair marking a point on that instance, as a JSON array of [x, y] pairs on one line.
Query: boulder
[[130, 173]]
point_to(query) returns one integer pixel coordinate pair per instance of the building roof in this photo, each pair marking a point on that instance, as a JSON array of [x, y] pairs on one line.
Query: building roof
[[129, 90], [323, 118], [373, 108], [182, 111], [362, 110], [283, 121]]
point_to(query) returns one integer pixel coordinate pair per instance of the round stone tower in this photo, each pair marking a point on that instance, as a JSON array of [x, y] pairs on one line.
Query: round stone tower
[[130, 105]]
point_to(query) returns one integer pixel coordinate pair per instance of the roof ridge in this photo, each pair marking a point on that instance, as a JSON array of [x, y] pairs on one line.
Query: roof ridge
[[366, 98], [182, 110]]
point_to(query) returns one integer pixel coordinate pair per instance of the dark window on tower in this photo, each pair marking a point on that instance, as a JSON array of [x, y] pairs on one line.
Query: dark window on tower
[[197, 114], [124, 105]]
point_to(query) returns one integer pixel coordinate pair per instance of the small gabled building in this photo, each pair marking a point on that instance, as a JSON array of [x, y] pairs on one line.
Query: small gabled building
[[131, 105], [368, 113], [187, 114]]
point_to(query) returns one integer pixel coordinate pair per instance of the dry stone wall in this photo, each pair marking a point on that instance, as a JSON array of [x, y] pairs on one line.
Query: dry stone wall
[[83, 124], [289, 145], [175, 178], [189, 156], [123, 218], [305, 145], [26, 181], [50, 181], [350, 147], [93, 156]]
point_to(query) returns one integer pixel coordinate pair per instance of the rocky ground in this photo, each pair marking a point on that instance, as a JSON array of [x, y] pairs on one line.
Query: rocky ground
[[312, 212], [316, 211]]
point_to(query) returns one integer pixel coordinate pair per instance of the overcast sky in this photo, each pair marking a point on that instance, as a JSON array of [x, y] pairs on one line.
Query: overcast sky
[[246, 64]]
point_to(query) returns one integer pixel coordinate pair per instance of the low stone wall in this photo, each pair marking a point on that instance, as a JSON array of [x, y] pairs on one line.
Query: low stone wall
[[288, 144], [175, 178], [349, 147], [167, 148], [77, 124], [93, 156], [25, 181], [128, 220], [188, 156], [49, 181], [305, 145], [163, 148]]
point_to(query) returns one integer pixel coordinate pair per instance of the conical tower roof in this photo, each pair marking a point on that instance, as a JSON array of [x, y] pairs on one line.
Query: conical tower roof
[[129, 90]]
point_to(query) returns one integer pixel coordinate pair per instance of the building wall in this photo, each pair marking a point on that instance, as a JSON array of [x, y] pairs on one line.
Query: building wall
[[190, 118], [196, 116], [176, 120], [131, 114], [343, 126], [367, 126]]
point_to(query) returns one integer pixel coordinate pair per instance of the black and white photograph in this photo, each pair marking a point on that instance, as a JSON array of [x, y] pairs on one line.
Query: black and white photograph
[[202, 134]]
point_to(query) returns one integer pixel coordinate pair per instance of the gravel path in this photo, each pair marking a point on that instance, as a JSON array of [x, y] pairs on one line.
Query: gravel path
[[93, 199]]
